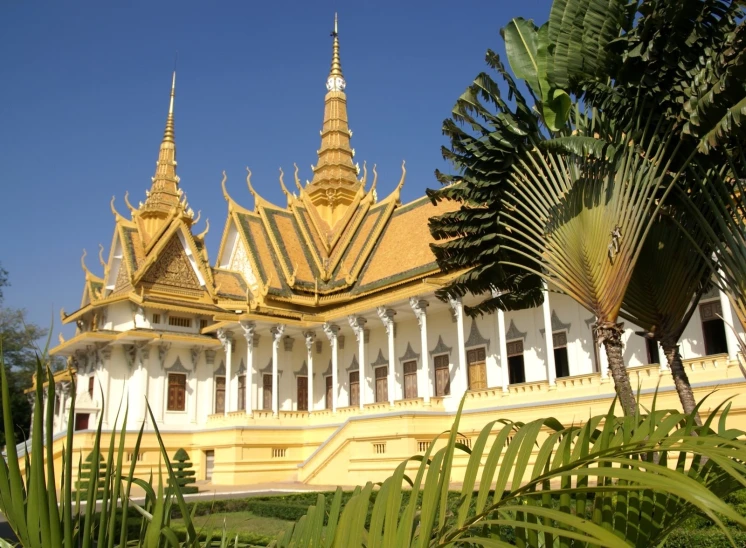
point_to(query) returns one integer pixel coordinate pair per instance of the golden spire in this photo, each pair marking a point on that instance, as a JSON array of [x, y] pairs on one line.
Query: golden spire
[[334, 184], [164, 192], [336, 70]]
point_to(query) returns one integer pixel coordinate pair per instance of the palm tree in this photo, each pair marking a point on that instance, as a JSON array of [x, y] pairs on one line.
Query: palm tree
[[667, 283]]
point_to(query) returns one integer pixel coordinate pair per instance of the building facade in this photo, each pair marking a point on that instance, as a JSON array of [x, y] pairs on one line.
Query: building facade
[[313, 347]]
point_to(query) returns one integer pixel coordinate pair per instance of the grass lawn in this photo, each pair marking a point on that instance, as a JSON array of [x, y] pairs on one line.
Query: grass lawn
[[249, 527]]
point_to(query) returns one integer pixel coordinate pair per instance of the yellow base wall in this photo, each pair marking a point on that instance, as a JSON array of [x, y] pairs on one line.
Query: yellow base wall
[[354, 446]]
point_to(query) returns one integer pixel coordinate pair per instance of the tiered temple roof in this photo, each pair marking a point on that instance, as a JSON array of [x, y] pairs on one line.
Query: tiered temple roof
[[333, 243]]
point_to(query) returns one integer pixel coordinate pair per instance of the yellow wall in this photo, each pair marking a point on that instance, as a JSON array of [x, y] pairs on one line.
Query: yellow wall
[[345, 448]]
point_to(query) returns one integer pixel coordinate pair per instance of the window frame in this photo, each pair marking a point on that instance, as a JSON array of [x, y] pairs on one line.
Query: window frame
[[447, 391], [183, 388]]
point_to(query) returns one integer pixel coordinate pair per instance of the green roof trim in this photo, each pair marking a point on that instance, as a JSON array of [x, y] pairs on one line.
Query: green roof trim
[[245, 222]]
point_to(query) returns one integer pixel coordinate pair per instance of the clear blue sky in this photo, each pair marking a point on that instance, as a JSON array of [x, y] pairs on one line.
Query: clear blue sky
[[84, 94]]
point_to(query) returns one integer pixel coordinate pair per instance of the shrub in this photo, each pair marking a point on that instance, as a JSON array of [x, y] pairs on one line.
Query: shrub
[[184, 473], [86, 475]]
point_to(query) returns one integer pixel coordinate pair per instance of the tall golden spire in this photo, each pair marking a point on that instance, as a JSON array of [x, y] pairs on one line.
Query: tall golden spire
[[164, 193], [335, 182]]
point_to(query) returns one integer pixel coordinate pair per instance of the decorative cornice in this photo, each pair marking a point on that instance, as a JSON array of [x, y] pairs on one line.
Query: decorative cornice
[[220, 371], [309, 336], [354, 365], [513, 333], [248, 332], [241, 368], [277, 332], [419, 306], [163, 349], [357, 323], [475, 337], [380, 360], [195, 351], [409, 354], [330, 330], [387, 317], [225, 337], [328, 371], [557, 324], [441, 348]]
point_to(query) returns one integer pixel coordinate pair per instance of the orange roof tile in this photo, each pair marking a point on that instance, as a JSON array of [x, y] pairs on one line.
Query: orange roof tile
[[230, 284], [403, 250]]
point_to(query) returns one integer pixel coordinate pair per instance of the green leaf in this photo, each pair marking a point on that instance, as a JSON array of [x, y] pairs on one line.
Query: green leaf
[[521, 43]]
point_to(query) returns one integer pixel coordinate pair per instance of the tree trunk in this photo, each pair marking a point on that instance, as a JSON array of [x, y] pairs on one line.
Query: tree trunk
[[680, 380], [612, 339]]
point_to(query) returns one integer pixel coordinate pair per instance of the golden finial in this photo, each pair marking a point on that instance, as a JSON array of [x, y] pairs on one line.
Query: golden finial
[[127, 202], [365, 174], [62, 315], [297, 181], [61, 338], [225, 190], [375, 179], [82, 262], [248, 182], [282, 185], [101, 256], [403, 176], [336, 68], [201, 235], [199, 216], [114, 211], [168, 135]]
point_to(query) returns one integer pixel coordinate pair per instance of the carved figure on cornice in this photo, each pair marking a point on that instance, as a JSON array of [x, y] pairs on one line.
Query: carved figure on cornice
[[357, 323], [195, 351], [106, 352], [248, 331], [419, 306], [225, 337], [310, 336], [277, 331], [162, 353], [330, 330], [387, 317], [130, 353]]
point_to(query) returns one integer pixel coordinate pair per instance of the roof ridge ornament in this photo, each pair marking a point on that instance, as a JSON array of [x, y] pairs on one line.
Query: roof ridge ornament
[[297, 181]]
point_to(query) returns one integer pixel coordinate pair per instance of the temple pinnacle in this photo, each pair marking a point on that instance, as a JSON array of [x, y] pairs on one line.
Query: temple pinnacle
[[168, 135], [336, 81]]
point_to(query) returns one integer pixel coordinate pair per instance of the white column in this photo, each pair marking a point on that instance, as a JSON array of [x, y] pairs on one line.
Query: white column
[[248, 333], [463, 381], [277, 332], [142, 385], [227, 342], [357, 323], [730, 336], [45, 404], [387, 317], [548, 340], [419, 306], [331, 332], [662, 358], [310, 338], [503, 345]]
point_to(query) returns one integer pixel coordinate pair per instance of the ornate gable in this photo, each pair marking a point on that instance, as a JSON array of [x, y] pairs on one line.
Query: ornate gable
[[172, 268]]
